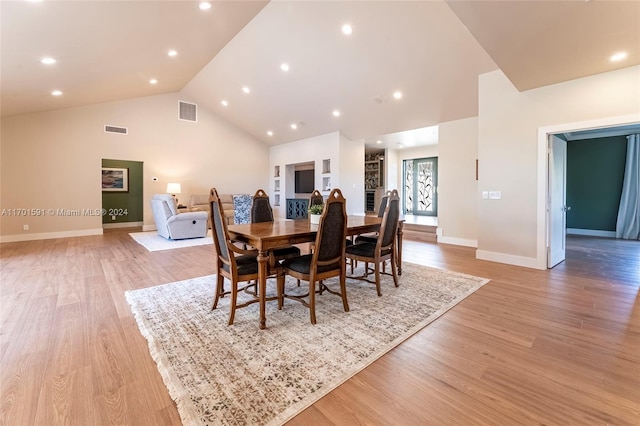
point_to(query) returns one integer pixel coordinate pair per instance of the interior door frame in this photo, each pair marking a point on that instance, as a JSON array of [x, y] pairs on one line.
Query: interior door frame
[[542, 230], [557, 201]]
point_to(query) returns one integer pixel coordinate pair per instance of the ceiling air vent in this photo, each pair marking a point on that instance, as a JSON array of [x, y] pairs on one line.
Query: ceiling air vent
[[114, 129], [188, 112]]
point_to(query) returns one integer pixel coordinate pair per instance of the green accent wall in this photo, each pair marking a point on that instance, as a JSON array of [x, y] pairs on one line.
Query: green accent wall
[[595, 171], [119, 202]]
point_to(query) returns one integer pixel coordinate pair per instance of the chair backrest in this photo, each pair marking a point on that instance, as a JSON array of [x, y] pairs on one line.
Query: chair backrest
[[261, 210], [389, 226], [332, 231], [219, 225], [316, 198], [383, 204]]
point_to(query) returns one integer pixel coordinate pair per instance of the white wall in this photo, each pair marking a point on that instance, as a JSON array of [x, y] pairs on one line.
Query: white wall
[[52, 160], [457, 184], [351, 177], [347, 167], [511, 230]]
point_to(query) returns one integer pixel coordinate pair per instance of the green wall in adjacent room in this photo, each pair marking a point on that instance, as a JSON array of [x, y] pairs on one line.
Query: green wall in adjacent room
[[119, 202], [595, 171]]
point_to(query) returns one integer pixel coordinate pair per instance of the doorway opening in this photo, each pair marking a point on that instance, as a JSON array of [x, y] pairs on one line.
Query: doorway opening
[[122, 201], [554, 231]]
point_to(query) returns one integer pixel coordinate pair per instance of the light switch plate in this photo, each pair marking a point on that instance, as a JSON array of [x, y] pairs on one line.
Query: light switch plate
[[495, 195], [485, 195]]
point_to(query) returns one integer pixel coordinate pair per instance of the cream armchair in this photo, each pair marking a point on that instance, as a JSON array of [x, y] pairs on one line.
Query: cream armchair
[[174, 225]]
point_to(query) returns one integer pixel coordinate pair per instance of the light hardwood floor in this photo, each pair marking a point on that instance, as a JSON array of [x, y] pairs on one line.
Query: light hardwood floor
[[553, 347]]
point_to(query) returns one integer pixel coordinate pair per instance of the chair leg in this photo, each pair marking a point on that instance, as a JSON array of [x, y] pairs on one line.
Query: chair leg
[[219, 290], [394, 270], [312, 300], [232, 305], [280, 284], [343, 292], [377, 268]]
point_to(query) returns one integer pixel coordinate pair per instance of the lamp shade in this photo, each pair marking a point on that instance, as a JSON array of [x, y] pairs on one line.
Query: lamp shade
[[173, 188]]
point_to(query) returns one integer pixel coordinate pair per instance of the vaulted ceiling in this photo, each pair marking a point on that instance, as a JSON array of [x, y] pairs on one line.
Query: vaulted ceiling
[[430, 51]]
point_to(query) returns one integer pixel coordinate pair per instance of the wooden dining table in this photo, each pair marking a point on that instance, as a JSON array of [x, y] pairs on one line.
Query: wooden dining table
[[265, 236]]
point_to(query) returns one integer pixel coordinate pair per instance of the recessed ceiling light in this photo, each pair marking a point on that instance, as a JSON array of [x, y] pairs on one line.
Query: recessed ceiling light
[[397, 94], [618, 56], [400, 146], [284, 67], [48, 61], [56, 93], [294, 126], [346, 29], [153, 81], [270, 133], [224, 103], [378, 142], [245, 89], [204, 5], [336, 113], [172, 53]]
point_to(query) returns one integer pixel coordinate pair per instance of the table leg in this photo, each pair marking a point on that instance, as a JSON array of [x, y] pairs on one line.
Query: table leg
[[399, 245], [262, 283]]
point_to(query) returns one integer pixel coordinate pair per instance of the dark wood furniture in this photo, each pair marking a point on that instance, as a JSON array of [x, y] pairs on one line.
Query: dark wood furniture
[[297, 208], [280, 233], [261, 211], [233, 263], [382, 248], [326, 261]]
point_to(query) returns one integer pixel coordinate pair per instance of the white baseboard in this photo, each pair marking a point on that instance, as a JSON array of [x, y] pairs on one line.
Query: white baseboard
[[122, 225], [49, 235], [591, 232], [510, 259], [146, 228], [458, 241]]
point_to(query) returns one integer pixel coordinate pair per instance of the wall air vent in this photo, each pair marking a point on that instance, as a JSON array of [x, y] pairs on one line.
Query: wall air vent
[[188, 112], [115, 129]]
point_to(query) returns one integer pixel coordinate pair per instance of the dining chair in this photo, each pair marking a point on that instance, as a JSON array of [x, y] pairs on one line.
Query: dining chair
[[372, 238], [383, 249], [261, 211], [326, 261], [316, 198], [232, 262]]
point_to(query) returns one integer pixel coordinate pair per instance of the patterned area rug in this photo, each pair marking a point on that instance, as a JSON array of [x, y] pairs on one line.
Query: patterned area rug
[[154, 242], [239, 374]]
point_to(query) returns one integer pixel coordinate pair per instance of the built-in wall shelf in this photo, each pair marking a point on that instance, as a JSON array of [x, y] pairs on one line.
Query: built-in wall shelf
[[326, 175], [276, 184], [326, 166], [373, 171]]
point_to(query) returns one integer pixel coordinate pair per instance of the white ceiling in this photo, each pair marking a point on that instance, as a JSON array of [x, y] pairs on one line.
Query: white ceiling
[[432, 51]]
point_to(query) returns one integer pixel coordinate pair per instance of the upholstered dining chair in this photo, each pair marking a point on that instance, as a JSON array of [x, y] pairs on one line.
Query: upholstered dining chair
[[316, 198], [383, 249], [326, 261], [372, 238], [233, 263], [261, 211]]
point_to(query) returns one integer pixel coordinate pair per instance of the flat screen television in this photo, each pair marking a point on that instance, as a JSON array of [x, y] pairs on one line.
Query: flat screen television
[[304, 181]]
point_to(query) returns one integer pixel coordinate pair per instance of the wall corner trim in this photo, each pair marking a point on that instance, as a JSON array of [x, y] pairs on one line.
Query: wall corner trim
[[458, 241], [510, 259]]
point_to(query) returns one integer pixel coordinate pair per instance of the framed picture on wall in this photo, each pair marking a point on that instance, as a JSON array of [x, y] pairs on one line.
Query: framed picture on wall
[[115, 179]]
